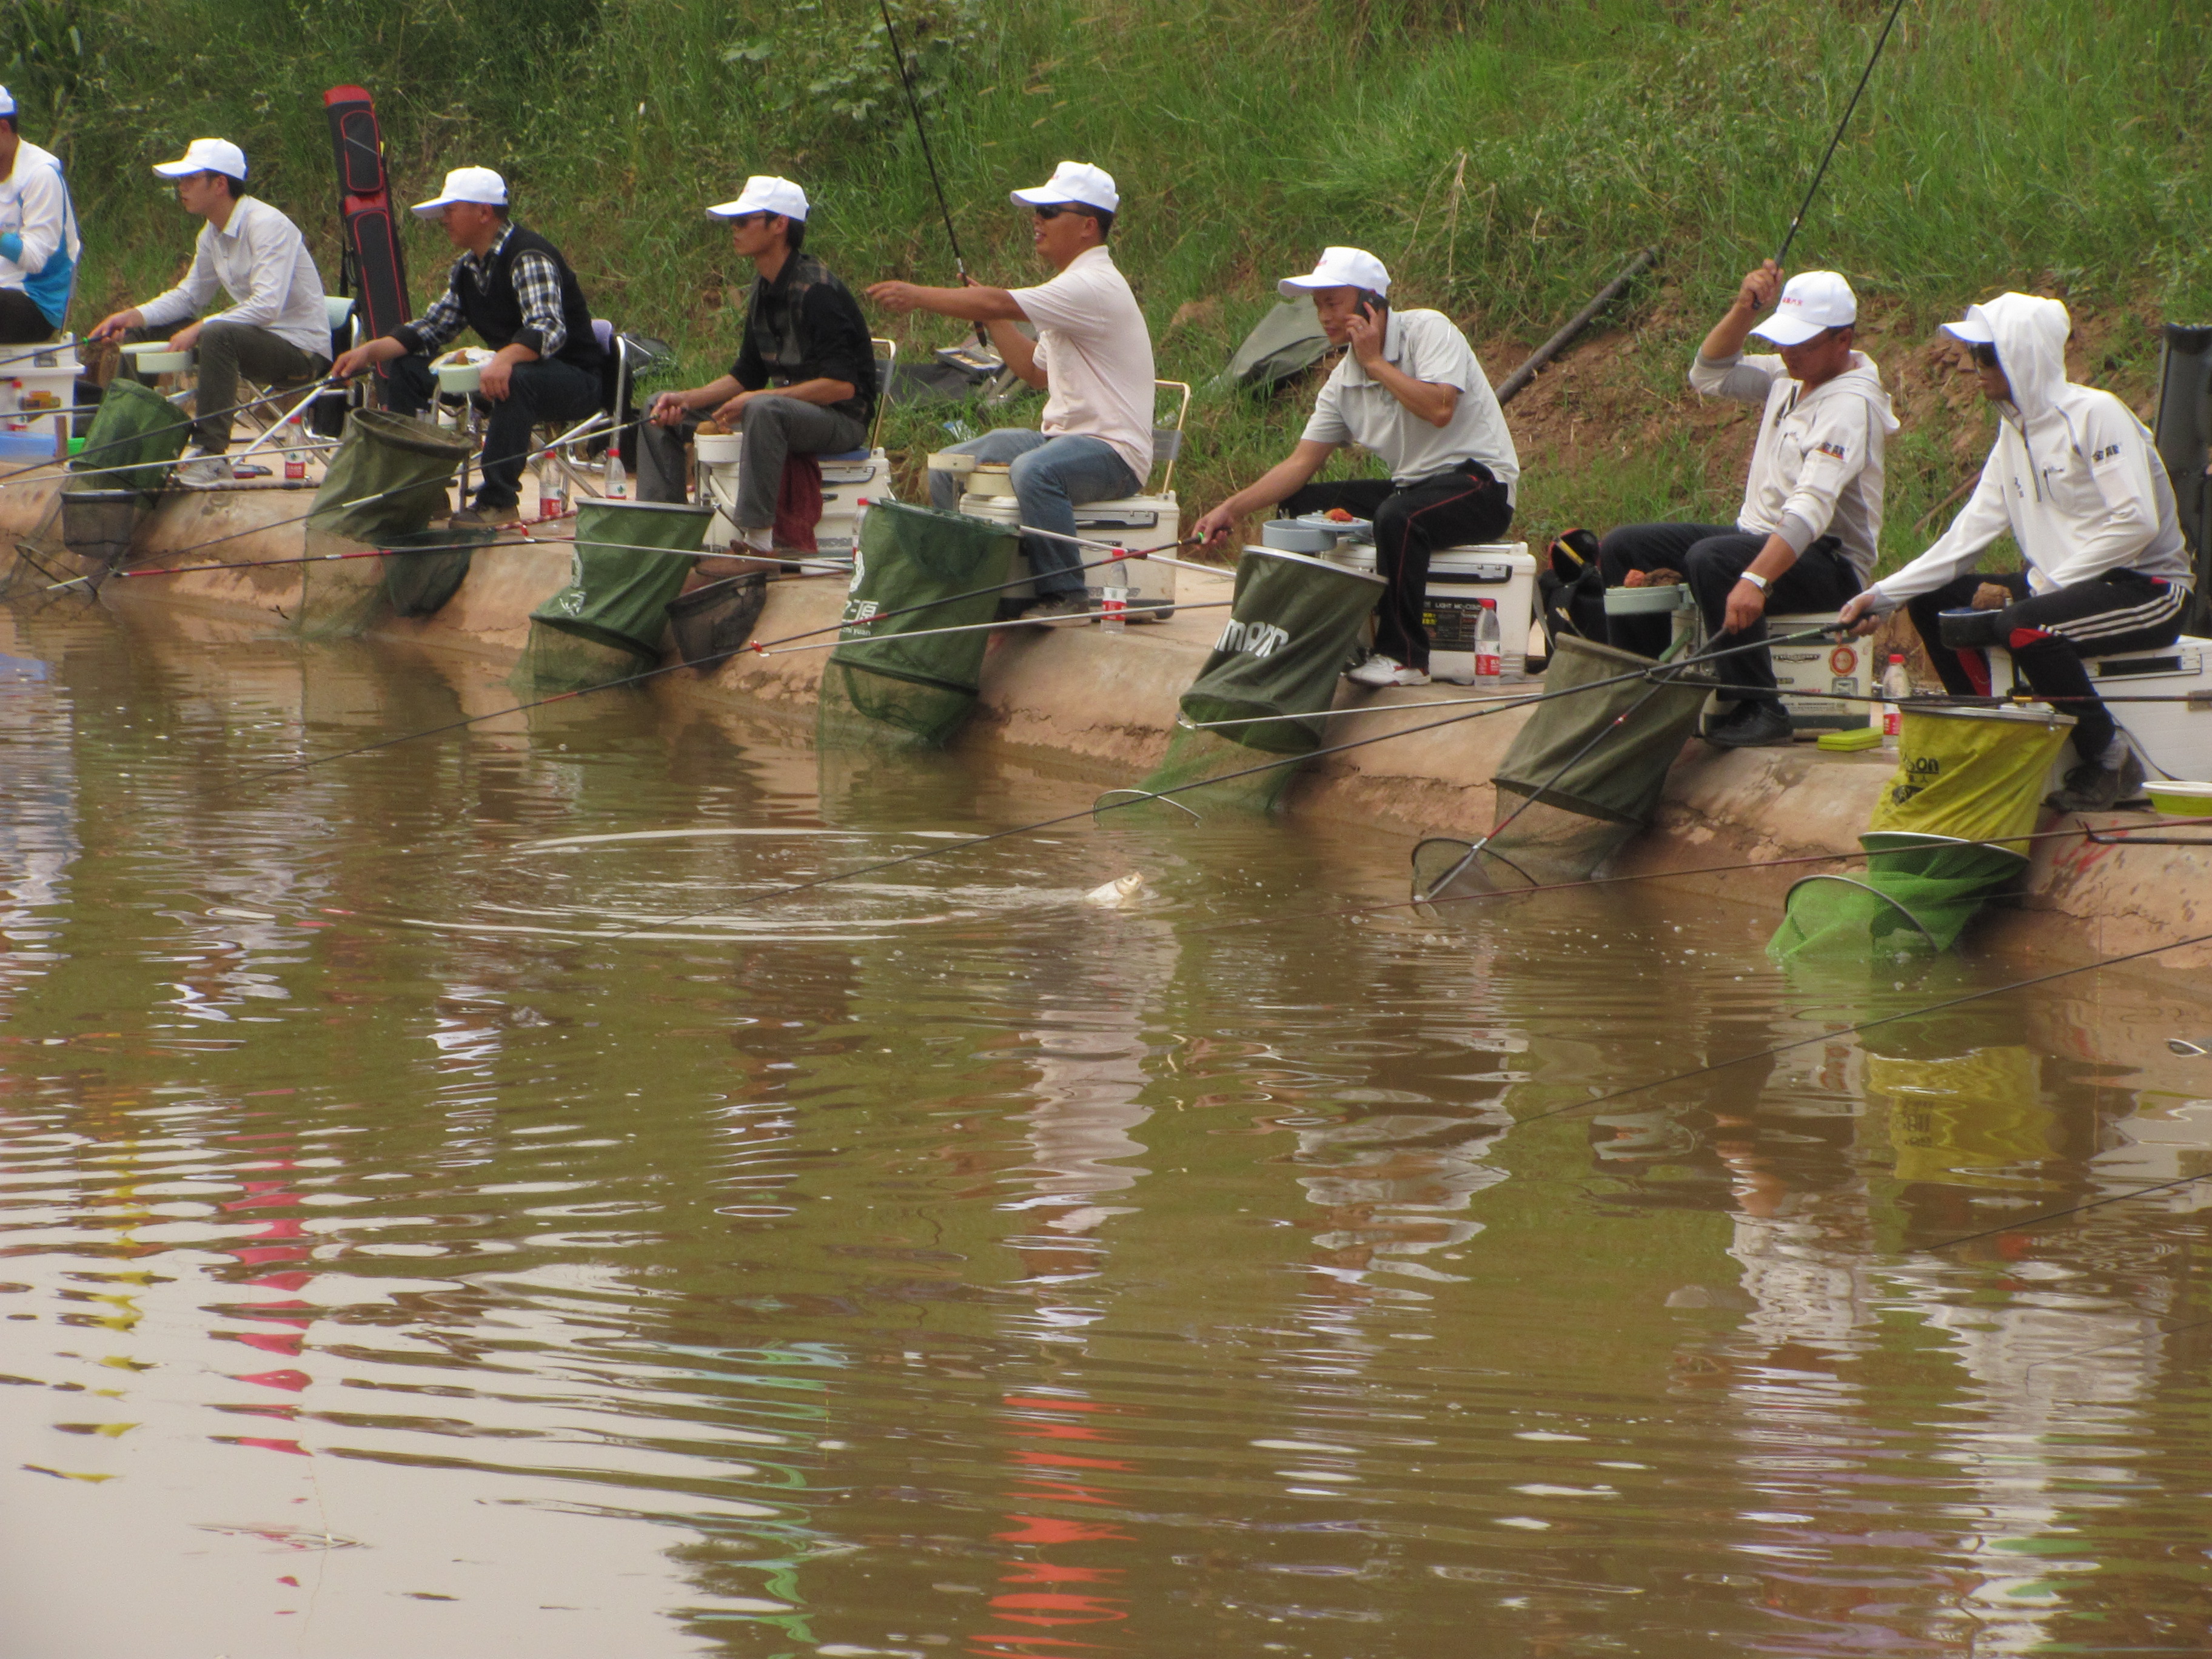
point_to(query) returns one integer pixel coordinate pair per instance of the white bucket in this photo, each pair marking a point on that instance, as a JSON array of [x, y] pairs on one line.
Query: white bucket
[[719, 448], [1463, 582], [155, 357]]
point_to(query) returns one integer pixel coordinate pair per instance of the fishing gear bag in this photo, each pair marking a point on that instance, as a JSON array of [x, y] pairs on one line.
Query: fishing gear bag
[[1944, 841], [629, 561], [938, 570], [403, 463], [133, 438], [1583, 776], [1293, 625]]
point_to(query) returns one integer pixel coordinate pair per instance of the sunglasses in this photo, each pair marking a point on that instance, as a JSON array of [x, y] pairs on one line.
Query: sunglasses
[[1051, 212], [749, 219], [1983, 356]]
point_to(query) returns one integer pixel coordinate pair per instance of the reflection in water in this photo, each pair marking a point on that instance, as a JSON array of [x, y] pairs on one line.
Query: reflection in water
[[451, 1208]]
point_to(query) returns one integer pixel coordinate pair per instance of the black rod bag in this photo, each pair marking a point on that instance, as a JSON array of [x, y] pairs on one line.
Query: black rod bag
[[372, 267]]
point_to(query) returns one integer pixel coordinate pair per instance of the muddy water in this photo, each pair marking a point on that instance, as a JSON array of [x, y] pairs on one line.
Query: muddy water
[[447, 1211]]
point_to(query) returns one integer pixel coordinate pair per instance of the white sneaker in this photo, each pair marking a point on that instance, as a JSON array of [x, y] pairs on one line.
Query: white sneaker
[[1379, 669], [201, 467]]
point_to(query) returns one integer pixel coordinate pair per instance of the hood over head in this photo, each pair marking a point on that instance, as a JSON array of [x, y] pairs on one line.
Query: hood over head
[[2030, 334]]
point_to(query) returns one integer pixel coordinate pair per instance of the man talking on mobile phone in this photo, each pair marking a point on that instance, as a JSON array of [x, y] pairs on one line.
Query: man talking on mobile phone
[[1410, 390]]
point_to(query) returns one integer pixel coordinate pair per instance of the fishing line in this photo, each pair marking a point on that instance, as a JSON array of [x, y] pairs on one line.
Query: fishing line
[[1139, 795], [928, 156], [1791, 235]]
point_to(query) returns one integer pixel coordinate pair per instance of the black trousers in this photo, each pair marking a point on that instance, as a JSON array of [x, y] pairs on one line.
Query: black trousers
[[21, 322], [548, 390], [2048, 635], [1713, 557], [1465, 505]]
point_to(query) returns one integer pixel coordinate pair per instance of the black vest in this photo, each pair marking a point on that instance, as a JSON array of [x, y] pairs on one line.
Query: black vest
[[494, 311], [772, 317]]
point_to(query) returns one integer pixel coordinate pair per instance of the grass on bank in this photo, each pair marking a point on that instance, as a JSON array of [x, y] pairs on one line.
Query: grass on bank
[[1503, 158]]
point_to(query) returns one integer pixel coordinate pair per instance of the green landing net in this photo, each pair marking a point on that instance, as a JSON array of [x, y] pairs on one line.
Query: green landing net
[[418, 584], [136, 429], [404, 462], [1944, 841], [1291, 628], [885, 682], [620, 580]]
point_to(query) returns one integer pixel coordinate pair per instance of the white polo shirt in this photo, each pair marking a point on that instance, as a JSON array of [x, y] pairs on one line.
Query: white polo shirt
[[1354, 409], [1096, 355], [261, 261]]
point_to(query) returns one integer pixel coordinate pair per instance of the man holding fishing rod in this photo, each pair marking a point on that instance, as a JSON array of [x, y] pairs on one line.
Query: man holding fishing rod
[[1093, 357], [277, 330], [1410, 392], [515, 290], [805, 380], [1806, 537], [39, 244], [2075, 480]]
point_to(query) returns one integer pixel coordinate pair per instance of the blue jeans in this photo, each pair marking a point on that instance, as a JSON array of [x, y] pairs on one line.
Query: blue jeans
[[1053, 476]]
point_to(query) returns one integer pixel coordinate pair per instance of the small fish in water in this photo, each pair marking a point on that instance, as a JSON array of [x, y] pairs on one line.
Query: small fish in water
[[1118, 895]]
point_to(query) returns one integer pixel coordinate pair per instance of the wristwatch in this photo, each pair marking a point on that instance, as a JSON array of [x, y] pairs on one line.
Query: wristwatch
[[1755, 579]]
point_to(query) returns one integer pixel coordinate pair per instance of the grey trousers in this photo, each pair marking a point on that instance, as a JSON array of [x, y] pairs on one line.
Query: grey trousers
[[226, 350], [774, 428]]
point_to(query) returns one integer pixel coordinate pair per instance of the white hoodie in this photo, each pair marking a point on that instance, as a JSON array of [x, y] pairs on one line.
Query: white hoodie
[[1817, 468], [2074, 477]]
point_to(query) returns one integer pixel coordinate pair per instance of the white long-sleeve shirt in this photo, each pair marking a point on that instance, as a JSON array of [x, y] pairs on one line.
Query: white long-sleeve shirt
[[259, 258], [1817, 468], [34, 205], [2074, 476]]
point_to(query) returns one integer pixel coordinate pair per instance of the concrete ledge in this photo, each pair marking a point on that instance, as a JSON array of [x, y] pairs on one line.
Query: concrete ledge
[[1106, 703]]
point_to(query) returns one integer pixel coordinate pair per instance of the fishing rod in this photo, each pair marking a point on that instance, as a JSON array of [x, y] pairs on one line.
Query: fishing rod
[[928, 156], [1791, 235], [824, 566], [977, 628], [1136, 796]]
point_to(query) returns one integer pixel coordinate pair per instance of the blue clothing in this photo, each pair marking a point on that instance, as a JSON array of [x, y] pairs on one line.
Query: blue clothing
[[1052, 478]]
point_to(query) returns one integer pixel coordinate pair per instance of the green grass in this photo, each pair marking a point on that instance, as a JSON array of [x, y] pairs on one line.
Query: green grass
[[1503, 158]]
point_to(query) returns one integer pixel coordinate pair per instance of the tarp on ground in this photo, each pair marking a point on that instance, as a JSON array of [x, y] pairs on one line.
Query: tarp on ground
[[136, 430], [1287, 341], [620, 580], [1293, 625], [920, 570], [1945, 837], [388, 478]]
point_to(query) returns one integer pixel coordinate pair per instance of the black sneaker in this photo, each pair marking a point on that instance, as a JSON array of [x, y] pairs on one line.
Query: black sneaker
[[2091, 788], [1061, 610], [1761, 725]]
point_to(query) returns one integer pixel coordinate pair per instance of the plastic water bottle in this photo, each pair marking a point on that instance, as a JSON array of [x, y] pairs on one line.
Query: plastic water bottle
[[1488, 658], [615, 486], [1114, 609], [1896, 687], [295, 458]]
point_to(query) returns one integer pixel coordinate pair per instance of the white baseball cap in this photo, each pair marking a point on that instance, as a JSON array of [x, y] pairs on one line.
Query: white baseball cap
[[1073, 182], [1973, 329], [479, 184], [1339, 267], [7, 101], [1813, 301], [205, 156], [764, 193]]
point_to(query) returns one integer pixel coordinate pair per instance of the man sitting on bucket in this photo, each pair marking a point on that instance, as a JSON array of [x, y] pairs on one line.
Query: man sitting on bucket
[[2074, 479], [515, 290], [1805, 539], [277, 329], [1093, 356], [805, 380], [39, 244], [1410, 390]]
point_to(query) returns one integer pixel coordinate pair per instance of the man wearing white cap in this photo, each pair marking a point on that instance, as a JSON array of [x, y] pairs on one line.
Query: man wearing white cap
[[2075, 480], [277, 330], [38, 245], [805, 380], [1806, 538], [1410, 392], [1093, 357], [515, 290]]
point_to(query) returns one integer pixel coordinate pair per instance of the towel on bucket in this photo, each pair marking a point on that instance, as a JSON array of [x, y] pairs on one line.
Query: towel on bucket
[[798, 503]]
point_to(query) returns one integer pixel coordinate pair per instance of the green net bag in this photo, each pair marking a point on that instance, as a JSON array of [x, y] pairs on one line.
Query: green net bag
[[918, 570], [630, 561], [388, 477], [134, 437], [419, 583]]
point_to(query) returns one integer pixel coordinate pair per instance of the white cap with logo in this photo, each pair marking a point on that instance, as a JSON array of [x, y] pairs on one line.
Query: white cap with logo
[[764, 193], [1813, 302], [479, 184], [205, 156], [7, 101], [1973, 329], [1339, 267], [1076, 183]]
